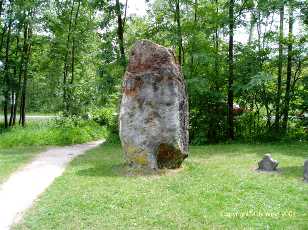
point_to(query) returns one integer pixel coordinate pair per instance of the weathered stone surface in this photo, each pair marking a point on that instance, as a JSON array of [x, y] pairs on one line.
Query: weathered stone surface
[[267, 163], [306, 171], [154, 109]]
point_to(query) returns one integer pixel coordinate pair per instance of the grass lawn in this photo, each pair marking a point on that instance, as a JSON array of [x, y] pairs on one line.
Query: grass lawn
[[13, 158], [217, 188]]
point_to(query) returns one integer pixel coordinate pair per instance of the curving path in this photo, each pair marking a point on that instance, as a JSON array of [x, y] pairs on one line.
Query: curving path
[[22, 188]]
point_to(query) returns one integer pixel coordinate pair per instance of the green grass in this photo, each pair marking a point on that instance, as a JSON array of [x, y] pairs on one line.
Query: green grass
[[13, 158], [38, 133], [218, 188]]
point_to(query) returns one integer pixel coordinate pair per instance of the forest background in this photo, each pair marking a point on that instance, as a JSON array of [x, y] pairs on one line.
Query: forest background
[[244, 62]]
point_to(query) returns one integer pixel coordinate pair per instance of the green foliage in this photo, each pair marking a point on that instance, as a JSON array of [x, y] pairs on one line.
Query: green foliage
[[108, 117], [207, 116], [64, 131], [75, 62]]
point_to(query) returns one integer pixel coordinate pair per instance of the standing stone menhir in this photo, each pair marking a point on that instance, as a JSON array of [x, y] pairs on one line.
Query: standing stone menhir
[[154, 109], [267, 163]]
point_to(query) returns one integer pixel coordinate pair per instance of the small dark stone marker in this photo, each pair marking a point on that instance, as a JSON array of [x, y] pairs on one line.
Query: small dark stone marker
[[306, 171], [268, 163]]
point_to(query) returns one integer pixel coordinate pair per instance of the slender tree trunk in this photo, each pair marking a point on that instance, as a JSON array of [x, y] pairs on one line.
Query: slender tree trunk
[[125, 13], [6, 70], [120, 32], [216, 45], [13, 88], [2, 39], [1, 7], [66, 60], [193, 41], [70, 90], [280, 57], [213, 119], [289, 71], [252, 25], [16, 88], [12, 107], [28, 36], [74, 43], [24, 89], [179, 31], [231, 72], [22, 71], [259, 31]]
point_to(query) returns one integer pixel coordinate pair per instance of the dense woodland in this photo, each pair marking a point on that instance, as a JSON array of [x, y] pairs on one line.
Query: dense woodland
[[245, 62]]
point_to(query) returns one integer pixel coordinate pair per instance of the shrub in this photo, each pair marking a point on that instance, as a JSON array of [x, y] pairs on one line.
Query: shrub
[[60, 131], [107, 117]]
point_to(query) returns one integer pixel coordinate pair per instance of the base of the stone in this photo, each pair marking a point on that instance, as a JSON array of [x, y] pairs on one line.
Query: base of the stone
[[267, 171], [164, 156]]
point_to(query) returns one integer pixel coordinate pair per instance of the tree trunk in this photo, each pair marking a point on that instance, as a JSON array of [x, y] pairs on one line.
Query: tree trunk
[[179, 31], [65, 68], [193, 41], [70, 90], [2, 39], [28, 36], [213, 121], [120, 32], [17, 88], [24, 90], [231, 72], [74, 43], [278, 97], [6, 69], [22, 72], [216, 45], [12, 107], [19, 81], [1, 7], [289, 71], [252, 24]]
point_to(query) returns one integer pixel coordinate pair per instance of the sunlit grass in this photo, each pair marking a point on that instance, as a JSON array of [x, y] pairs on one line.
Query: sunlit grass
[[218, 188], [13, 158], [38, 133]]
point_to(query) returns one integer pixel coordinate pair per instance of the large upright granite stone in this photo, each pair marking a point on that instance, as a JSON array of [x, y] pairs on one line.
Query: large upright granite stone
[[267, 163], [306, 171], [154, 109]]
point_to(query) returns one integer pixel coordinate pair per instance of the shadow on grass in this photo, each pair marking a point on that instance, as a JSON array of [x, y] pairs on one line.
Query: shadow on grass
[[293, 171], [102, 170], [123, 170]]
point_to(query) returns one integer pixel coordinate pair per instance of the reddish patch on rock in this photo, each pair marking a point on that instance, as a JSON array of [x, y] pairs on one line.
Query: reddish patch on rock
[[151, 59], [132, 86]]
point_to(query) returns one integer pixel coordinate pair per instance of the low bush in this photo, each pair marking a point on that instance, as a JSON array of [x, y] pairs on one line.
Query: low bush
[[60, 131], [108, 117]]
